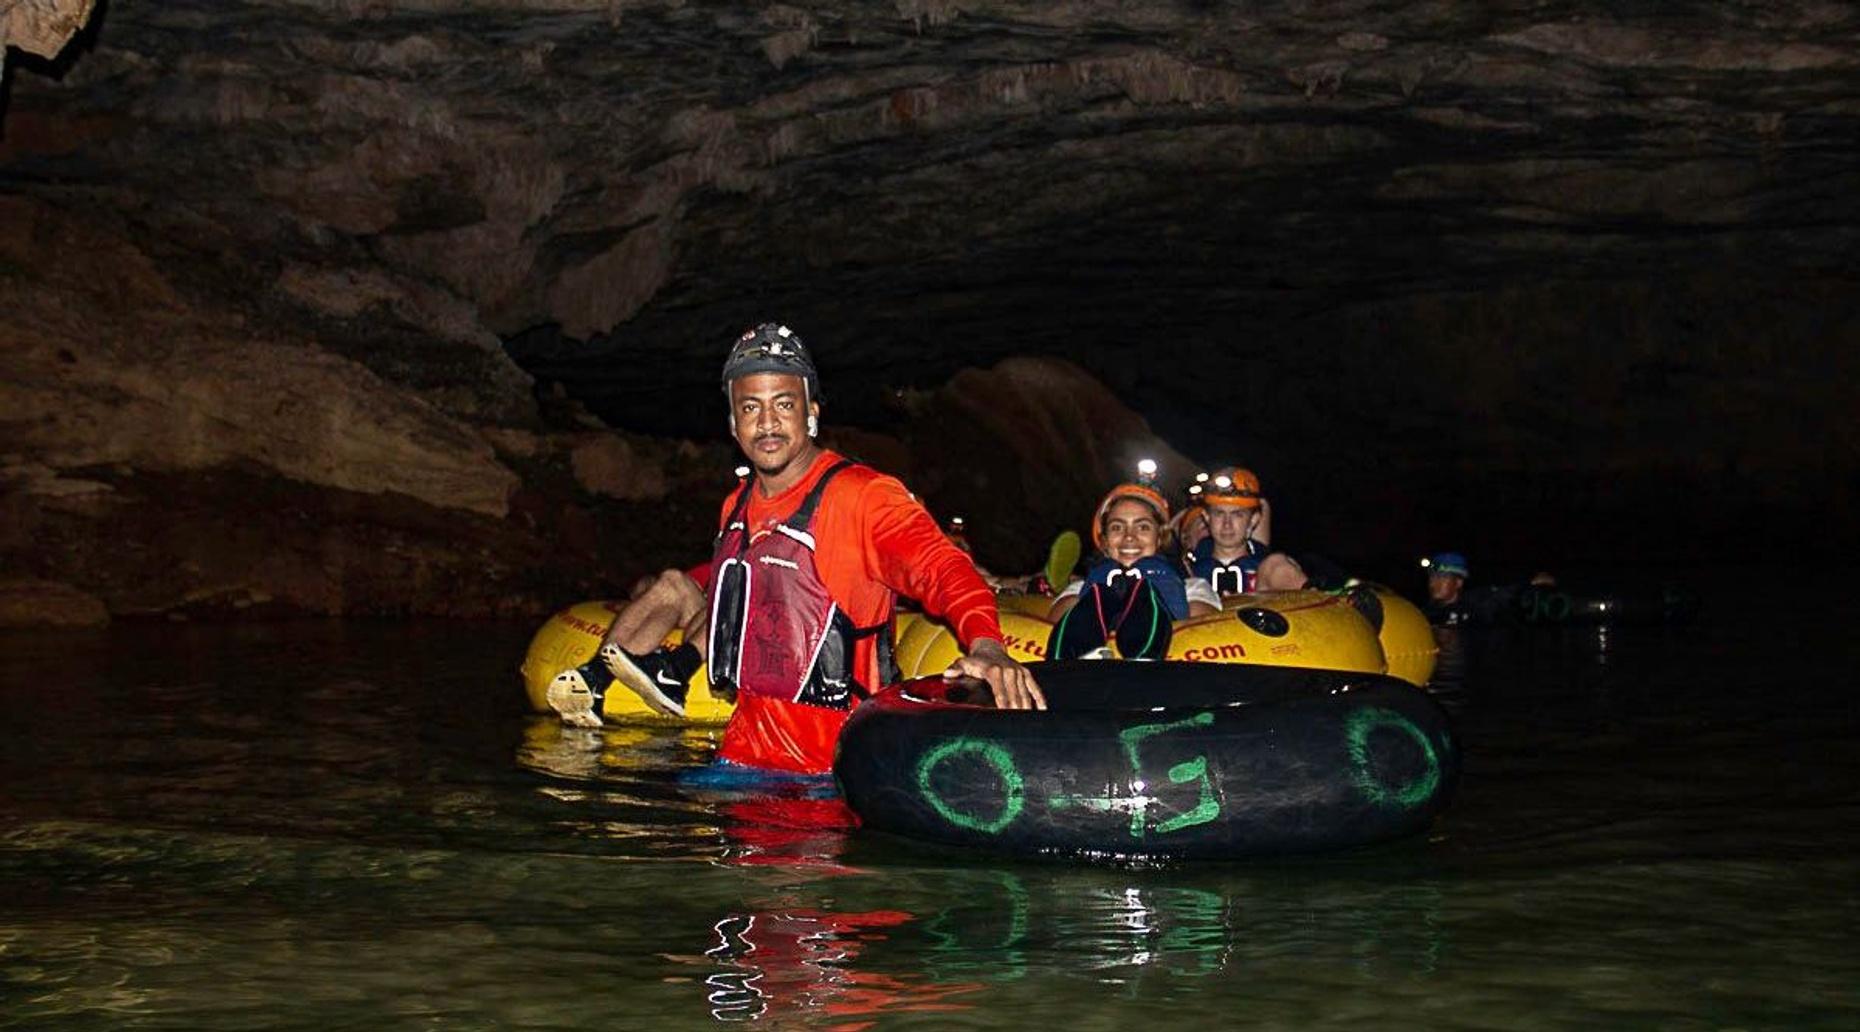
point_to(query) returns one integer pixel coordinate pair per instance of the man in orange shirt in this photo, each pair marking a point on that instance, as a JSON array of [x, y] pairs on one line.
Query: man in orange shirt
[[812, 554]]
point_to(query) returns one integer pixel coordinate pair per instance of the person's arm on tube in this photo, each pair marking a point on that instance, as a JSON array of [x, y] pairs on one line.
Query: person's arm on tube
[[910, 554]]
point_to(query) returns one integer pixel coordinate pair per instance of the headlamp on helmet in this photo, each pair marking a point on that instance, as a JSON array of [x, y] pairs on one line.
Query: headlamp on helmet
[[1232, 488], [1446, 564], [1141, 490], [771, 348]]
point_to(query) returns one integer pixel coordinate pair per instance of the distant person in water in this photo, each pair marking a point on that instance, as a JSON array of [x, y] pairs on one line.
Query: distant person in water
[[1446, 583], [1132, 594], [957, 530], [1239, 532], [811, 555]]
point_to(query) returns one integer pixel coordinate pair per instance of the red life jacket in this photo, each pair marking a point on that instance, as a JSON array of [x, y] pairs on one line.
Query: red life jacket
[[780, 640]]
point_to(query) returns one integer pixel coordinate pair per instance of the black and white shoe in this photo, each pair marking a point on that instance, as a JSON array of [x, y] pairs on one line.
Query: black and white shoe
[[650, 676], [576, 694]]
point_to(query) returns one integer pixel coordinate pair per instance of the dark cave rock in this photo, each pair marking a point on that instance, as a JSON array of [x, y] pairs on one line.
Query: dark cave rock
[[1442, 273]]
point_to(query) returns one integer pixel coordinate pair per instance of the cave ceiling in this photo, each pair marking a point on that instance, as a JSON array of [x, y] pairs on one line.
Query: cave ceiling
[[1175, 194]]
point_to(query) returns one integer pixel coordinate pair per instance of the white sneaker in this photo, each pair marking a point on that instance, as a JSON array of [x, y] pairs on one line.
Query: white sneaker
[[659, 688], [570, 696]]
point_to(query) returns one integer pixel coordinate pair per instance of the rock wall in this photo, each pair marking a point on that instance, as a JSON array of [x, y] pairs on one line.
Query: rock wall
[[1431, 269], [41, 27], [164, 453], [1025, 449], [164, 450]]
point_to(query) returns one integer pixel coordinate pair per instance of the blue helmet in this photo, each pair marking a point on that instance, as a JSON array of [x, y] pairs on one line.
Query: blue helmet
[[1449, 564]]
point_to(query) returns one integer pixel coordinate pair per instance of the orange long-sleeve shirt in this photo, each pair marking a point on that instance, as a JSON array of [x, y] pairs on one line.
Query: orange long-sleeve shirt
[[874, 542]]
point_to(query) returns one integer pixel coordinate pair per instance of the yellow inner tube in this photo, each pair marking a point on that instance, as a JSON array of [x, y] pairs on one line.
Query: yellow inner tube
[[571, 638], [1322, 631], [1407, 640]]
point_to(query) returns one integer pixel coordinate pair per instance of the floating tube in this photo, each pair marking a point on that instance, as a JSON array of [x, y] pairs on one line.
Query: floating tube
[[913, 641], [902, 620], [1542, 605], [1153, 760], [933, 646], [1024, 604], [1282, 628], [1408, 643], [571, 638], [1409, 650]]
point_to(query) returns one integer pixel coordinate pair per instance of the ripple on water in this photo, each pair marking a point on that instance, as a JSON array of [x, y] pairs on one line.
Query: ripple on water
[[336, 825]]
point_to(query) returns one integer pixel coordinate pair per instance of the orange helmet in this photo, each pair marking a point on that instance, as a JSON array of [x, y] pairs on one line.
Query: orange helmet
[[1186, 518], [1231, 488], [1141, 492]]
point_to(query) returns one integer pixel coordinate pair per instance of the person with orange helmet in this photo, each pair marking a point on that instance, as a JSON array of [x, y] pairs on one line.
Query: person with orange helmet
[[1239, 532], [1131, 594], [1190, 526]]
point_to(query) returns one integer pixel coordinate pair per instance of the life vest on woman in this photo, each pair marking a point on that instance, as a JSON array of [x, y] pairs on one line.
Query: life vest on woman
[[780, 641]]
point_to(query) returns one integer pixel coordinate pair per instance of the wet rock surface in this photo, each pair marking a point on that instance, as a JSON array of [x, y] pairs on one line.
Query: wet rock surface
[[1465, 272]]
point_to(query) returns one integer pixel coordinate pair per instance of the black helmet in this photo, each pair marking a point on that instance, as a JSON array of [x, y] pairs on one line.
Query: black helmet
[[771, 348]]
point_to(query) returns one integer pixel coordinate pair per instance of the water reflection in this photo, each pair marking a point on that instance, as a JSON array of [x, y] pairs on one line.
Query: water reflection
[[1133, 934], [786, 961]]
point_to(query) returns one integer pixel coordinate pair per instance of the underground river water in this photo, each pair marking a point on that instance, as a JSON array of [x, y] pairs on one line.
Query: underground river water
[[346, 825]]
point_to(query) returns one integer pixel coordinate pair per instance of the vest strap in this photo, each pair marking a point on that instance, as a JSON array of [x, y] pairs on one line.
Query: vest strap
[[804, 515]]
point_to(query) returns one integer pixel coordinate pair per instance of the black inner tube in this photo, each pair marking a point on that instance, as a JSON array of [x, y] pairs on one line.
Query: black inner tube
[[1153, 759]]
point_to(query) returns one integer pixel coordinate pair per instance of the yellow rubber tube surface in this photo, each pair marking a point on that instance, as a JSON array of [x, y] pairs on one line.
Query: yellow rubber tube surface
[[1407, 640], [571, 638], [1324, 632]]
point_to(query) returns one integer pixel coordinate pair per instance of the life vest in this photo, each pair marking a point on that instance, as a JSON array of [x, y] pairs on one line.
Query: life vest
[[1154, 570], [1234, 577], [781, 642]]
